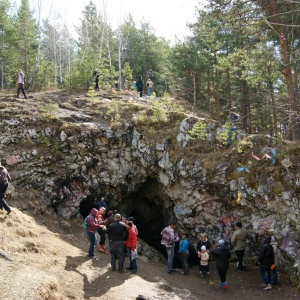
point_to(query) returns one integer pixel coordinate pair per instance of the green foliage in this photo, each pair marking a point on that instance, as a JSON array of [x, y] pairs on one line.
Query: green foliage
[[159, 112], [49, 110], [92, 96], [127, 72], [224, 136], [199, 130], [113, 111], [56, 148]]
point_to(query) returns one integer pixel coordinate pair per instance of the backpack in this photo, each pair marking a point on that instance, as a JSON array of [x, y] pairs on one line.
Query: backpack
[[85, 223]]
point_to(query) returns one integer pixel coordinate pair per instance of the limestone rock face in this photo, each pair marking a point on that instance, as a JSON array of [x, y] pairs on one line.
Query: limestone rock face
[[67, 165]]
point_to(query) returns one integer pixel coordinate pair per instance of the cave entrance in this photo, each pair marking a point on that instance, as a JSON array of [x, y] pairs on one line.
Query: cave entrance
[[152, 211]]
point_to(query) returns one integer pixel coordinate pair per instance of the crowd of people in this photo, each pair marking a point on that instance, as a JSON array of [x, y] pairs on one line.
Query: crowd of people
[[122, 240], [121, 232], [138, 84], [267, 258]]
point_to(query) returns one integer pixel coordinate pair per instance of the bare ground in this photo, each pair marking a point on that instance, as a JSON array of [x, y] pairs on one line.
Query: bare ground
[[44, 257]]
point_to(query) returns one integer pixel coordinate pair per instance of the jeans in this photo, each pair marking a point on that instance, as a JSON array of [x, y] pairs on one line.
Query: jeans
[[267, 278], [184, 261], [150, 90], [222, 275], [92, 237], [240, 257], [141, 92], [133, 264], [117, 246], [21, 88], [170, 252]]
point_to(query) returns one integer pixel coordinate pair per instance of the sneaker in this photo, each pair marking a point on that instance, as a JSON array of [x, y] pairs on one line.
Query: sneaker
[[101, 248], [183, 273], [268, 287]]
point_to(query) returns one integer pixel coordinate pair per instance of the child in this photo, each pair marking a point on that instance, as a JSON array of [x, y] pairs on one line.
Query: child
[[203, 255]]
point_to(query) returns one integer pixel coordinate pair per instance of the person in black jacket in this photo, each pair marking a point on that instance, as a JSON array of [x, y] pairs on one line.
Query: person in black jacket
[[4, 179], [119, 234], [140, 86], [265, 261], [222, 255]]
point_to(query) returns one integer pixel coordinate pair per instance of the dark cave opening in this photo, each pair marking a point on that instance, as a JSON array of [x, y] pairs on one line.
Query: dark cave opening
[[152, 211], [148, 207]]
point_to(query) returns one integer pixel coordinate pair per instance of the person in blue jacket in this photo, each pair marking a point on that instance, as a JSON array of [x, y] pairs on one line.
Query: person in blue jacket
[[184, 254]]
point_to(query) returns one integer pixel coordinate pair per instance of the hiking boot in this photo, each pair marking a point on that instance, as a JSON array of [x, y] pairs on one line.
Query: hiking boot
[[268, 287]]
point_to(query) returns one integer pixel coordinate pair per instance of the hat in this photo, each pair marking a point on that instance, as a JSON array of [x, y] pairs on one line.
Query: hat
[[102, 208], [238, 224], [221, 242], [203, 248], [118, 217]]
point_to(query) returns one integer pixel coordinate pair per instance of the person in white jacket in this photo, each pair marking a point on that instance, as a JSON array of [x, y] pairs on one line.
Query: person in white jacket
[[204, 257]]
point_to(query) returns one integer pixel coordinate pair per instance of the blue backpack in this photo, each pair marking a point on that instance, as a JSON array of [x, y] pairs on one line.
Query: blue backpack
[[85, 224]]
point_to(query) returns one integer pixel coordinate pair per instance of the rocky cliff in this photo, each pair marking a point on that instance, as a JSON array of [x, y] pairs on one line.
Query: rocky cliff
[[82, 150]]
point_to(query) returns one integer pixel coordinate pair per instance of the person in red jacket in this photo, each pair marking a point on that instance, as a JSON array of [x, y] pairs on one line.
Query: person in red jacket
[[131, 245], [93, 225], [101, 220]]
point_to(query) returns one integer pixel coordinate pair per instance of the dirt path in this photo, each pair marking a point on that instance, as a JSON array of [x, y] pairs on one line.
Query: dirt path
[[44, 257]]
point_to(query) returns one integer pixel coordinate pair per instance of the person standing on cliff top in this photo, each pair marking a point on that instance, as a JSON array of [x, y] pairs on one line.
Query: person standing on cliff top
[[20, 84]]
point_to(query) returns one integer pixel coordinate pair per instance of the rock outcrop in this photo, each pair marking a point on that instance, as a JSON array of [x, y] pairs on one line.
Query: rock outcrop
[[65, 164]]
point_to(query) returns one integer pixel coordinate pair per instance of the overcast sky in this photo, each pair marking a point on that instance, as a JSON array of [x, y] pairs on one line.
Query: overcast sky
[[167, 17]]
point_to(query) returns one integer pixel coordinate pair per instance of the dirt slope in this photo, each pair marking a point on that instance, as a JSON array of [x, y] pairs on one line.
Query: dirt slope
[[44, 257]]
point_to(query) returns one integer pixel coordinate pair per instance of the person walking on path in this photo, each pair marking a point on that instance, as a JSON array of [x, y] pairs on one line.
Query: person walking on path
[[140, 86], [4, 180], [265, 261], [131, 245], [222, 255], [119, 235], [168, 240], [92, 226], [184, 254], [238, 241], [20, 84]]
